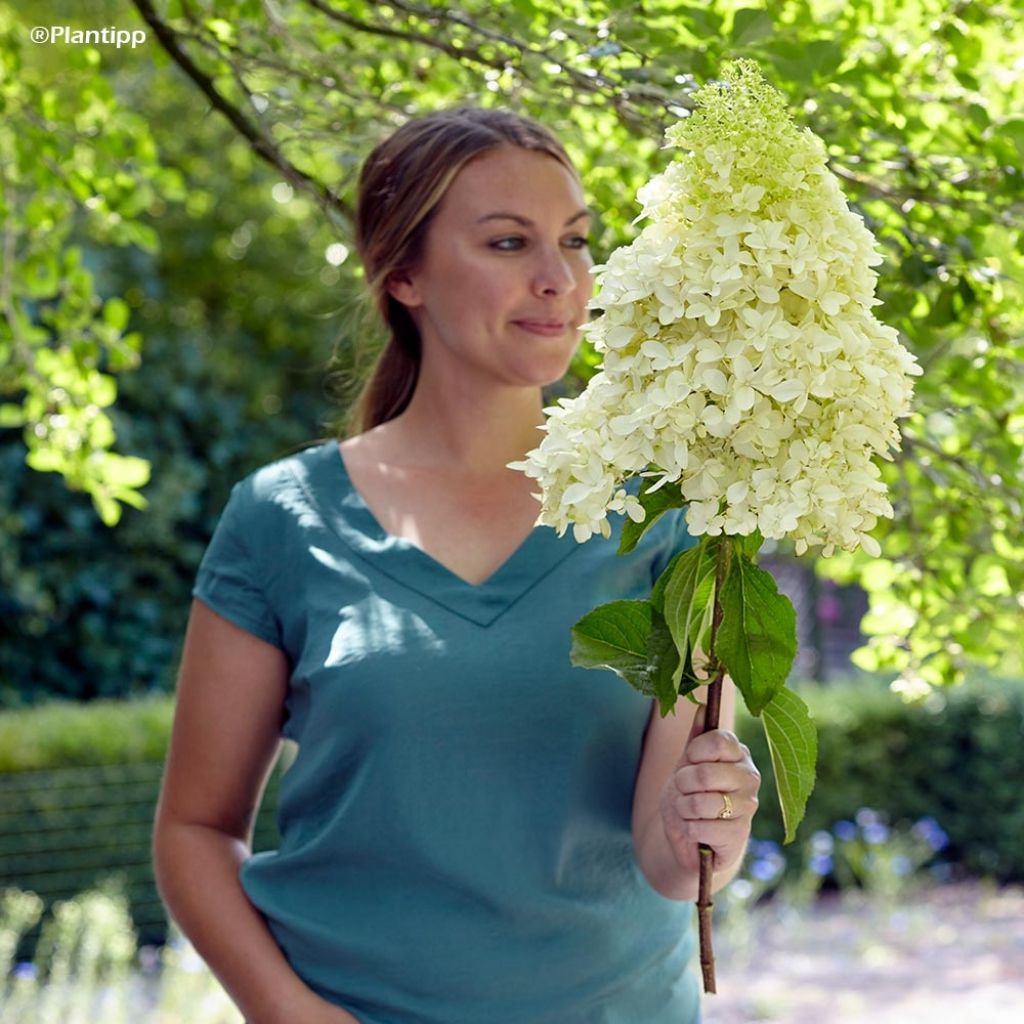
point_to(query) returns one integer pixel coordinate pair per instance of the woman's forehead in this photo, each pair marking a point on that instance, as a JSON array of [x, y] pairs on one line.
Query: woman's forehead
[[526, 183]]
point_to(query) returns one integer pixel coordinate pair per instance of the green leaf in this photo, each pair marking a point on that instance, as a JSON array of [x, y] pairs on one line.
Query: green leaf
[[615, 635], [751, 24], [749, 546], [658, 593], [793, 743], [116, 313], [688, 591], [757, 638], [125, 470], [654, 504], [11, 415], [664, 663], [107, 507]]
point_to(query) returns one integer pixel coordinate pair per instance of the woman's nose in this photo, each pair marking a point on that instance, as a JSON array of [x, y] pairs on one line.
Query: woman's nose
[[554, 273]]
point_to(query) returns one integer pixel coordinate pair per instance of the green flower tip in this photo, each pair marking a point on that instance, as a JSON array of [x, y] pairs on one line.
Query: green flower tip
[[740, 105]]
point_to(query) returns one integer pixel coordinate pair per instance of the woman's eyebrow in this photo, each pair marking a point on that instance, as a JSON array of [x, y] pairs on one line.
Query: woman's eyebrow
[[526, 222]]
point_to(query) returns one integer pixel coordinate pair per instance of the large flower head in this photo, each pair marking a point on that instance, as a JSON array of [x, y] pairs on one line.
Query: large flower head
[[741, 358]]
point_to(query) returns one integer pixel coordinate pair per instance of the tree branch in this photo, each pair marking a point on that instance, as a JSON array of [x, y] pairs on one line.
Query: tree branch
[[261, 144]]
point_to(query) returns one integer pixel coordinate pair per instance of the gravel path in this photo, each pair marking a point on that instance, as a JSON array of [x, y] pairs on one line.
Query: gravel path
[[949, 955]]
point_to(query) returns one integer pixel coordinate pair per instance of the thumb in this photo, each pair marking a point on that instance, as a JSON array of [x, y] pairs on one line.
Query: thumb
[[696, 728], [698, 722]]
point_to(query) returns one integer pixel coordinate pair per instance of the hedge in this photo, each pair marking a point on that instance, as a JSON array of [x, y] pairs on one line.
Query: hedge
[[78, 790], [958, 757]]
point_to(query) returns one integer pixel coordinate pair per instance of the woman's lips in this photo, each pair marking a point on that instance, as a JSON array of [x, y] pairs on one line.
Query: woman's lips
[[547, 330]]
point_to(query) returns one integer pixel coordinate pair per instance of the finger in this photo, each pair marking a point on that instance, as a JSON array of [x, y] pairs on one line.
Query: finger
[[710, 806], [716, 776], [716, 745], [718, 834]]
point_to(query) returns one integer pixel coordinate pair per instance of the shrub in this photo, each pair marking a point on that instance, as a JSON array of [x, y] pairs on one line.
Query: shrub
[[955, 758]]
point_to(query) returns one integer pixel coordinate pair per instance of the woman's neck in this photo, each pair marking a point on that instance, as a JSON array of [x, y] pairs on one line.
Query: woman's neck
[[477, 432]]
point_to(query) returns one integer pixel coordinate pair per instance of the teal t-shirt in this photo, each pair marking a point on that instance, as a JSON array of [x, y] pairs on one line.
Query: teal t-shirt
[[455, 829]]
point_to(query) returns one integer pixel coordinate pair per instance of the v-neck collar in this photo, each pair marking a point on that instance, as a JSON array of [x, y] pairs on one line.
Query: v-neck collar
[[401, 560]]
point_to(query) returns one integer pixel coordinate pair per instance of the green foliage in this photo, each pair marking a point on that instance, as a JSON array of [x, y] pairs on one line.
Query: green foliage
[[112, 150], [955, 757], [75, 158], [66, 734], [239, 319], [653, 644]]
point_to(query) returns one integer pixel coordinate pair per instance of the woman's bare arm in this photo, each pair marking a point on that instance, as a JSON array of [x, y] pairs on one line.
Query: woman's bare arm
[[225, 739]]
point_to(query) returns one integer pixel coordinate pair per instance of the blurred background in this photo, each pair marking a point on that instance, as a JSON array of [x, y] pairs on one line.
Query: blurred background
[[180, 303]]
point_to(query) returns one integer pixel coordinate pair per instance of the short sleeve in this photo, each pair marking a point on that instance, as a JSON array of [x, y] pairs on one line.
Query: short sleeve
[[675, 539], [229, 579]]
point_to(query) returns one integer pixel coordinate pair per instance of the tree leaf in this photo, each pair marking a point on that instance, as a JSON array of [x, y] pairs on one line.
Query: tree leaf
[[654, 504], [125, 470], [793, 743], [751, 24], [757, 638], [116, 313]]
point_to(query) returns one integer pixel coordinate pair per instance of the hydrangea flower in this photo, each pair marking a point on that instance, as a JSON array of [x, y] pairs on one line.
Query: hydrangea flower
[[741, 359]]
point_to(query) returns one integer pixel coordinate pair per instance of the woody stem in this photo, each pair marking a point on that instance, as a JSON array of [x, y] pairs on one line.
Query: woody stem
[[712, 711]]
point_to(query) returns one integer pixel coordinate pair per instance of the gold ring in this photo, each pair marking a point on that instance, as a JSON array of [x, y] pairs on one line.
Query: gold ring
[[726, 806]]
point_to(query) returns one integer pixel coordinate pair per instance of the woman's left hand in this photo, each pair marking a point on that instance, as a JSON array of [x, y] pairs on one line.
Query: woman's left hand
[[710, 798]]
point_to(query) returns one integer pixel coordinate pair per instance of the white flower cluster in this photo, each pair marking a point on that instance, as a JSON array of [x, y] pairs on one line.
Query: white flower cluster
[[740, 354]]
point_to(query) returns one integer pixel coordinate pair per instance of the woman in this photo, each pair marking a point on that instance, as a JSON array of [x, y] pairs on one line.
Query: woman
[[472, 830]]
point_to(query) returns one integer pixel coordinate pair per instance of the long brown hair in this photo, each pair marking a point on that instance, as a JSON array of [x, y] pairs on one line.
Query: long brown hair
[[401, 185]]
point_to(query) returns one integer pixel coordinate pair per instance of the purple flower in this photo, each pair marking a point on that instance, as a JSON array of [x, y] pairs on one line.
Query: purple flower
[[821, 864], [845, 830], [763, 848], [932, 833], [25, 970], [876, 833], [764, 870], [821, 842], [868, 816]]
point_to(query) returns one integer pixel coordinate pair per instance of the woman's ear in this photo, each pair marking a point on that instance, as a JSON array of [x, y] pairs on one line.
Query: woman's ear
[[404, 290]]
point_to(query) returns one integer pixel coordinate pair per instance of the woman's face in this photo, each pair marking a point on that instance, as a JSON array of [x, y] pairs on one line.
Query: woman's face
[[504, 280]]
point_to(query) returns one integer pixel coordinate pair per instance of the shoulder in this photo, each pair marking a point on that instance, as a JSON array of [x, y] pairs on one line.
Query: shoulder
[[285, 473], [285, 488]]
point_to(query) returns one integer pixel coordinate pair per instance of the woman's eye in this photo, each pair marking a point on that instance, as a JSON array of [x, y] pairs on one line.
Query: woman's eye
[[498, 244], [578, 242]]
